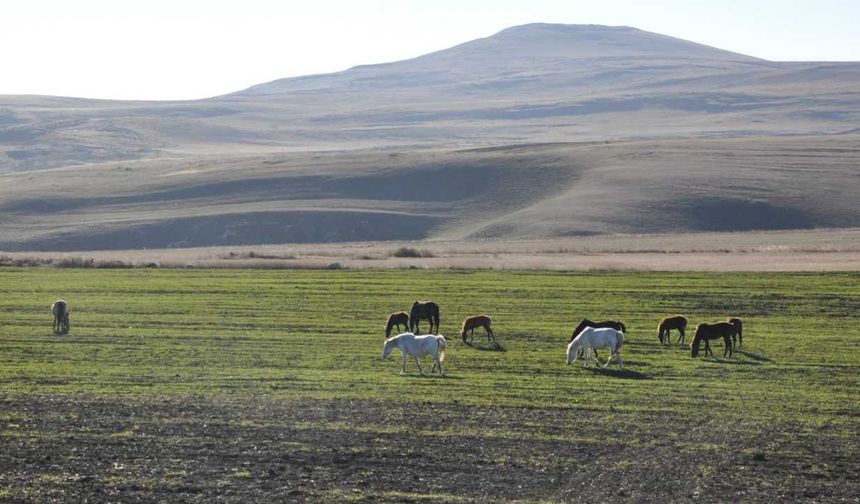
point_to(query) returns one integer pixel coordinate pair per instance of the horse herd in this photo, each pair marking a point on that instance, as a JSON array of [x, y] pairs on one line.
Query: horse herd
[[586, 339]]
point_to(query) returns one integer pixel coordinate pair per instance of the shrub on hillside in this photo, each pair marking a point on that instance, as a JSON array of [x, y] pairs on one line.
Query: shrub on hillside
[[411, 252]]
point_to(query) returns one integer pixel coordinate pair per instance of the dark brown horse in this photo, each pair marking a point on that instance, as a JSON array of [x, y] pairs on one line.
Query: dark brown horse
[[676, 322], [471, 323], [396, 319], [707, 332], [60, 311], [613, 324], [424, 310], [738, 336]]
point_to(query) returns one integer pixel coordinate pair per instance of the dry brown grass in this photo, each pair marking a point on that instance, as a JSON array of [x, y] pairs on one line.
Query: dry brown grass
[[568, 191], [816, 250]]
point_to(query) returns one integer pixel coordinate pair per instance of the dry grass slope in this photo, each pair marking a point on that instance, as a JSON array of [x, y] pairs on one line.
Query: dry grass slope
[[542, 191]]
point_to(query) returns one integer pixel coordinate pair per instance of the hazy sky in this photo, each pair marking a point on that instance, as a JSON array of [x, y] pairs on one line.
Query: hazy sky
[[178, 49]]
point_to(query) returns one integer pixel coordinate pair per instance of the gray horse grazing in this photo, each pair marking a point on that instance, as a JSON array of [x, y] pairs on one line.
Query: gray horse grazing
[[60, 311]]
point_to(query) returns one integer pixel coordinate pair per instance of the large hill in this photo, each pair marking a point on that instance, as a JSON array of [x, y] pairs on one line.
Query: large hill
[[538, 131]]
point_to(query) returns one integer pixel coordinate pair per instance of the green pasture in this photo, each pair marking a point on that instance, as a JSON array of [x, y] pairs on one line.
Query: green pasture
[[289, 334]]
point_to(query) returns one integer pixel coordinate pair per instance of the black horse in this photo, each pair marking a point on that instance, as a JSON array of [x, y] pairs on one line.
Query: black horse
[[707, 332], [424, 310], [613, 324], [738, 336]]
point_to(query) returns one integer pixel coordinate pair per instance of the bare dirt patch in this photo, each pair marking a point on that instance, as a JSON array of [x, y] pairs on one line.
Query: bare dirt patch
[[74, 448]]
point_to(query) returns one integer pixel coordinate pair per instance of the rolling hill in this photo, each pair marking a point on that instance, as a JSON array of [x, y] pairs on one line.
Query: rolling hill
[[538, 131]]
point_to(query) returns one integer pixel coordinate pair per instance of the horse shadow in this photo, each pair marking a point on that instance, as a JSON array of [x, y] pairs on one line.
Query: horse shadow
[[493, 347], [622, 373], [734, 362], [434, 376], [753, 356]]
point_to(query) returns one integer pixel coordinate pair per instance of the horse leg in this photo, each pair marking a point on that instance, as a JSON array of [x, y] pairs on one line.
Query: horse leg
[[437, 362], [403, 369], [682, 337], [708, 348], [420, 369]]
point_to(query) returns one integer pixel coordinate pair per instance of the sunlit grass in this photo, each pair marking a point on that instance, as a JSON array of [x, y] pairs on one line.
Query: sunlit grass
[[318, 334]]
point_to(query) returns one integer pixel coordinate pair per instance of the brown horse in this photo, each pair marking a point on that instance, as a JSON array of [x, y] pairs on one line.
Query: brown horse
[[738, 336], [471, 323], [60, 311], [424, 310], [676, 322], [707, 332], [396, 319]]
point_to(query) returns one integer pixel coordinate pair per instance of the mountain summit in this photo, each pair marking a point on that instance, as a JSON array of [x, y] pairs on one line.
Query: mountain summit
[[538, 47], [538, 131], [563, 41], [529, 83]]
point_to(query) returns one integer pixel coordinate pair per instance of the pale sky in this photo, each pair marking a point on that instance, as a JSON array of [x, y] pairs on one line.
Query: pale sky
[[183, 49]]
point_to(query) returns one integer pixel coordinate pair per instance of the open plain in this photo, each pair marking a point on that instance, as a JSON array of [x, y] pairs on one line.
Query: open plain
[[235, 385]]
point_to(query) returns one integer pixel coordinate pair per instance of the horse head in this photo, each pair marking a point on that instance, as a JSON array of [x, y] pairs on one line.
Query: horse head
[[387, 347], [573, 351]]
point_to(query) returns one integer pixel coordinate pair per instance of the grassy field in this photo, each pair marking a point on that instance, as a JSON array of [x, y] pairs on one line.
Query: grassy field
[[200, 385]]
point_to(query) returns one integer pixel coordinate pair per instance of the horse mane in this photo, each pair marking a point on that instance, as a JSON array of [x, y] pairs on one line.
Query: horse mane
[[697, 336]]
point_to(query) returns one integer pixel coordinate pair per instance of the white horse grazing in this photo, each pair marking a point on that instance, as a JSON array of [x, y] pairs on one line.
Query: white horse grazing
[[592, 339], [417, 346], [60, 311]]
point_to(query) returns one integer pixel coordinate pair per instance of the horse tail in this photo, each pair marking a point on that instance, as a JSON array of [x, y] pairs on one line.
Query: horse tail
[[620, 341], [441, 345]]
